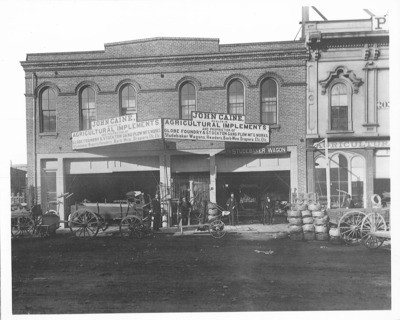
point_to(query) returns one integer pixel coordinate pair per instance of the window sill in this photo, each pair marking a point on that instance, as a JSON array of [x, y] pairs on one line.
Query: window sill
[[48, 134], [274, 126], [340, 132]]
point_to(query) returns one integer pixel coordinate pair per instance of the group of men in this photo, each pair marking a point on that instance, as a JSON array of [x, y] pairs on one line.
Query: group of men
[[184, 209]]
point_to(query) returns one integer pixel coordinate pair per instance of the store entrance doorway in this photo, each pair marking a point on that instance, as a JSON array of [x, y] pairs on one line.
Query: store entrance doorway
[[249, 187]]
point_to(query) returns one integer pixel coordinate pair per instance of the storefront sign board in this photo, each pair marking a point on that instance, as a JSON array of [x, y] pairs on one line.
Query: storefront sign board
[[112, 121], [216, 127], [356, 144], [117, 133], [256, 151]]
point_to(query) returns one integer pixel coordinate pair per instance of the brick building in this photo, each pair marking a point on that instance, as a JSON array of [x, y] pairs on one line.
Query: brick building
[[156, 78], [348, 104]]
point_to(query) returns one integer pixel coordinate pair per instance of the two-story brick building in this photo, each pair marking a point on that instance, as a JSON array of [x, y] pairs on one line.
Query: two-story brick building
[[348, 107], [168, 78]]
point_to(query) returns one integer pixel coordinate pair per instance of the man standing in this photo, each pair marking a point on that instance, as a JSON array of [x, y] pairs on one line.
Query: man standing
[[268, 210], [156, 208], [184, 209], [231, 205]]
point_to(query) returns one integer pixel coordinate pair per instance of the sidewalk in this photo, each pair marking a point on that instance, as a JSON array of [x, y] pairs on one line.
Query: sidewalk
[[276, 229]]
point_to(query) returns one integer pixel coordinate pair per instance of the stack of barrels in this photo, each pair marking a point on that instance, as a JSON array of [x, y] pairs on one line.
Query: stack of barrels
[[321, 220], [307, 221], [295, 220]]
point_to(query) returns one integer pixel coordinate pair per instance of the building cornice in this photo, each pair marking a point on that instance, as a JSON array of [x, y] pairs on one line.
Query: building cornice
[[34, 66]]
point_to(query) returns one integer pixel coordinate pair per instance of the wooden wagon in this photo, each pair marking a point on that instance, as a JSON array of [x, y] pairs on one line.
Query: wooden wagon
[[132, 217]]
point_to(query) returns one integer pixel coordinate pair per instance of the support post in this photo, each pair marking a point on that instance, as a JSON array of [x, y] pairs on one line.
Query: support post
[[328, 175]]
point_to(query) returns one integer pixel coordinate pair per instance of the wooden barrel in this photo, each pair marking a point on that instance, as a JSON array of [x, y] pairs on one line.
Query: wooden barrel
[[321, 221], [321, 229], [322, 236], [308, 228], [164, 221], [293, 214], [309, 236], [306, 213], [295, 221], [295, 229], [308, 220]]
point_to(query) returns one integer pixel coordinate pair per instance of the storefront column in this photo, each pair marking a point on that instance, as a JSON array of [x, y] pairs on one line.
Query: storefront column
[[369, 179], [165, 184], [213, 179], [60, 187], [293, 169], [310, 167]]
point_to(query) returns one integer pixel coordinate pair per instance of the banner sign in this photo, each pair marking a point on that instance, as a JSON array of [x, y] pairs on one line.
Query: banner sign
[[256, 151], [118, 120], [216, 127], [354, 144], [116, 132]]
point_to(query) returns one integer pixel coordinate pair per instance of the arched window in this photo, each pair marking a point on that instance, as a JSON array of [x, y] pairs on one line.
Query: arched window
[[236, 98], [269, 102], [339, 107], [48, 111], [187, 101], [87, 108], [128, 100]]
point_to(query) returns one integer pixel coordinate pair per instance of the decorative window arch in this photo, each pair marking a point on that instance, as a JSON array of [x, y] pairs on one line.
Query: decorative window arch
[[269, 101], [48, 110], [87, 106], [347, 174], [187, 100], [127, 100], [236, 101]]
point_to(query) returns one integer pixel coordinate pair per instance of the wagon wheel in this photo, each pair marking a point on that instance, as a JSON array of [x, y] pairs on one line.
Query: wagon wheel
[[195, 217], [350, 226], [84, 224], [22, 226], [371, 223], [217, 228], [131, 227]]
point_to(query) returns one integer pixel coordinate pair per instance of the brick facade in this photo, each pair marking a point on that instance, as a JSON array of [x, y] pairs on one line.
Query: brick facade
[[156, 68]]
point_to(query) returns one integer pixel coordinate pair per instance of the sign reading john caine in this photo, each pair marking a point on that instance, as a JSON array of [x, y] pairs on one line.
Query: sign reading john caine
[[116, 132], [216, 127]]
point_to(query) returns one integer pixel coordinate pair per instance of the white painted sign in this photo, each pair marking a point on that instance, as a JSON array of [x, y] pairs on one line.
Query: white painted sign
[[117, 120], [216, 127], [380, 23], [117, 133], [354, 144]]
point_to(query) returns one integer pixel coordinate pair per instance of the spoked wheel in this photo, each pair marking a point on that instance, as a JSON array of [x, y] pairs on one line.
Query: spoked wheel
[[22, 227], [217, 228], [131, 227], [195, 217], [350, 227], [371, 224], [84, 224]]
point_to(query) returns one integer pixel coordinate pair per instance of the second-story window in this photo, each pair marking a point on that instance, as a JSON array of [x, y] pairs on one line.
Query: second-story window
[[48, 111], [88, 108], [269, 102], [339, 107], [236, 98], [187, 101], [128, 100]]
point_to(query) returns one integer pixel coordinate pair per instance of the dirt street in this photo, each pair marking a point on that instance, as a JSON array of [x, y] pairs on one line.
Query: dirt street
[[164, 273]]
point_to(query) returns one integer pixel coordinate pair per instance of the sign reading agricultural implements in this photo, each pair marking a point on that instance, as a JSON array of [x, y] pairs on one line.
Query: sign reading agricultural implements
[[117, 132], [216, 127]]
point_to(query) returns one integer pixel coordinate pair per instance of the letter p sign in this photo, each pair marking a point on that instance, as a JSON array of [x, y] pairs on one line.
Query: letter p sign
[[380, 23]]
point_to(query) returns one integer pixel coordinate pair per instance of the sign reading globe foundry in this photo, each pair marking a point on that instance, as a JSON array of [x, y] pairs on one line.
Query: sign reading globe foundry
[[216, 127], [117, 130], [202, 126]]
